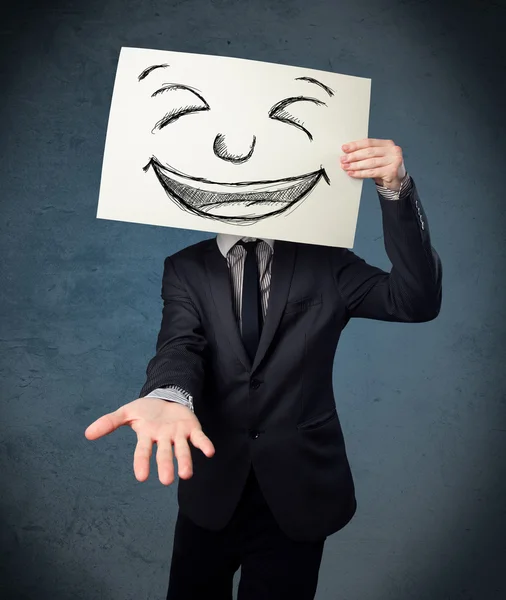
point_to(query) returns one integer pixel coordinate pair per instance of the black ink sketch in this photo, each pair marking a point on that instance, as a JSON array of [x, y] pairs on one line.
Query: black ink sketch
[[247, 201], [242, 202], [220, 149], [147, 71], [279, 113], [316, 82], [175, 114]]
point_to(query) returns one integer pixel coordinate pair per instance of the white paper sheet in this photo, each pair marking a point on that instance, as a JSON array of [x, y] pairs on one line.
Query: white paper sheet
[[235, 146]]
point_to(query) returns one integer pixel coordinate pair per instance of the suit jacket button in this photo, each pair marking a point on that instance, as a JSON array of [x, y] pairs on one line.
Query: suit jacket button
[[254, 434], [255, 384]]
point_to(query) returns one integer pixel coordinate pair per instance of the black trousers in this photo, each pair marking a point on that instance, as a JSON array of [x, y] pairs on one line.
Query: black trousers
[[273, 566]]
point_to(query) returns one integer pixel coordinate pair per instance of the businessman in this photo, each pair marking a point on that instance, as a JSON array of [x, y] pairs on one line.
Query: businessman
[[240, 390]]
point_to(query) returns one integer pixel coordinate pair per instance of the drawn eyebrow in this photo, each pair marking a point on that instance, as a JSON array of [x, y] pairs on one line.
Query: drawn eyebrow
[[316, 82], [168, 87], [147, 71]]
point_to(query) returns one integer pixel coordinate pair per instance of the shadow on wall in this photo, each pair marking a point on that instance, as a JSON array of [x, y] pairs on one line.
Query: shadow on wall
[[464, 556], [31, 570], [469, 563], [44, 526]]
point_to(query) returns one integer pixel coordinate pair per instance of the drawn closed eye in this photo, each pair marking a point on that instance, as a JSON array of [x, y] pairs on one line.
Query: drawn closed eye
[[279, 112], [190, 107]]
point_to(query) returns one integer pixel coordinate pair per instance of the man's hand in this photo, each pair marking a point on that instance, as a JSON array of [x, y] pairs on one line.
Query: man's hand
[[380, 160], [157, 421]]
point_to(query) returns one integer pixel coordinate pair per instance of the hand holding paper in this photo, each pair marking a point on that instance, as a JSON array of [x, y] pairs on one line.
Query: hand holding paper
[[233, 146], [380, 160]]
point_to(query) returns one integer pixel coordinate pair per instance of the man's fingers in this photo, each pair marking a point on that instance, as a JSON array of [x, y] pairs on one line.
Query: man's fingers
[[367, 174], [370, 152], [165, 461], [370, 163], [200, 440], [142, 456], [366, 143], [106, 424], [184, 458]]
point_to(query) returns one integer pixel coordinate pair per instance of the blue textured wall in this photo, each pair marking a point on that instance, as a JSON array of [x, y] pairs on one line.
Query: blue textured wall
[[423, 406]]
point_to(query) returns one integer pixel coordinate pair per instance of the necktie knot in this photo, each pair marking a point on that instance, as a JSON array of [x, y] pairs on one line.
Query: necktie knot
[[249, 246]]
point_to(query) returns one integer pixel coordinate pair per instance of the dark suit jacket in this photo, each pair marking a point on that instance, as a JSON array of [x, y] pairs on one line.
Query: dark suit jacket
[[278, 414]]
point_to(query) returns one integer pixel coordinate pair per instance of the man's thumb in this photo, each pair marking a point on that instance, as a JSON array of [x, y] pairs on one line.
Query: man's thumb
[[106, 424]]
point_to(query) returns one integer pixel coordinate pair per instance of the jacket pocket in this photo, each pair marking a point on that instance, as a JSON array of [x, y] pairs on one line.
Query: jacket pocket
[[302, 304], [318, 421]]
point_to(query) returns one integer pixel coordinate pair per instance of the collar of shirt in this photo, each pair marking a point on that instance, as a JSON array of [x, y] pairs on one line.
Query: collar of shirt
[[226, 242]]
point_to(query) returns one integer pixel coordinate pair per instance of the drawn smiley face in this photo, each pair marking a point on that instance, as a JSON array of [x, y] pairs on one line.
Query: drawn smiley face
[[240, 202]]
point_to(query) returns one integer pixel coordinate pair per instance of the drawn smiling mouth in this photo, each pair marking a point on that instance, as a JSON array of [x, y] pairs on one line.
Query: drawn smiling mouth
[[239, 203]]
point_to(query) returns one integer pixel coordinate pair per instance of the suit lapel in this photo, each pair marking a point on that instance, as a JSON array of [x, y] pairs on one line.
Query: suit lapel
[[283, 262], [219, 280]]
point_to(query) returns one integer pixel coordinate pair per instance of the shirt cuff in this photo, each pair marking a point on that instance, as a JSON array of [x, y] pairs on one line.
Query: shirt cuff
[[173, 394], [406, 187]]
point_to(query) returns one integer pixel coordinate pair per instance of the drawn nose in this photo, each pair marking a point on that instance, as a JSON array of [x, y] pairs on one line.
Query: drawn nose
[[236, 154]]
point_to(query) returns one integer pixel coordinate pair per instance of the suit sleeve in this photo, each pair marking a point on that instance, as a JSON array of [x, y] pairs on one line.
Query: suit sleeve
[[181, 346], [411, 291]]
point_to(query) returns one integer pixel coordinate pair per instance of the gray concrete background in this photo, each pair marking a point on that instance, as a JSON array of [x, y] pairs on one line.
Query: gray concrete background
[[423, 406]]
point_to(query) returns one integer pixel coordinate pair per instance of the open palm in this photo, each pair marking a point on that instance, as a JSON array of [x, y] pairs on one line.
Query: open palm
[[168, 425]]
